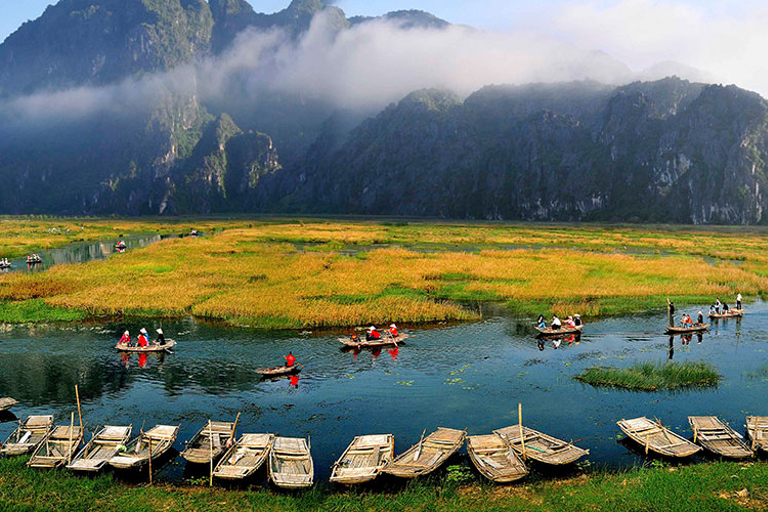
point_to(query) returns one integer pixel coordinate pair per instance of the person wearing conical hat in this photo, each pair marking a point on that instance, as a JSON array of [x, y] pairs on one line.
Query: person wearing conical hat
[[373, 334], [126, 339], [143, 338], [577, 320], [160, 337], [393, 330]]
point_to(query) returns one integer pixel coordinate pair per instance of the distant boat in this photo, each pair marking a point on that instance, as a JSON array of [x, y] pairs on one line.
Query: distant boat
[[685, 330], [152, 347], [384, 341], [562, 331], [280, 370], [732, 313]]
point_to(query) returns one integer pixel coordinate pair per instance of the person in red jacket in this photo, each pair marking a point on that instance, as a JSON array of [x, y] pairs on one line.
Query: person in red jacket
[[373, 334], [126, 339], [290, 360], [393, 331], [143, 341]]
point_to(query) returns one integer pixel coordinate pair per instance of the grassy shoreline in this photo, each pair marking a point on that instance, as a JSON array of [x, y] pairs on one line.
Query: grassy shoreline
[[299, 274], [650, 376], [708, 486]]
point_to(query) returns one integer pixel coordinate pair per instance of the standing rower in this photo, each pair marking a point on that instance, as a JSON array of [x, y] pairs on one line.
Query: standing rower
[[290, 359]]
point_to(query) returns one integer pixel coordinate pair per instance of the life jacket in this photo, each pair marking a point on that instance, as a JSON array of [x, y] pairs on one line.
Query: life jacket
[[142, 341]]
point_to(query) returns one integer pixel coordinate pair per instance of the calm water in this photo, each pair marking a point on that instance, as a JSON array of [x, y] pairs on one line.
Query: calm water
[[467, 376]]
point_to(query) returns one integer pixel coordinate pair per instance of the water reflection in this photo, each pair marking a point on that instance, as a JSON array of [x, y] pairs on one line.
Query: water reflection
[[438, 378]]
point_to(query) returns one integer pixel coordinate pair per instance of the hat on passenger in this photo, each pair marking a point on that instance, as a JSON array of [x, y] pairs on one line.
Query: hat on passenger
[[126, 333], [159, 331], [143, 331]]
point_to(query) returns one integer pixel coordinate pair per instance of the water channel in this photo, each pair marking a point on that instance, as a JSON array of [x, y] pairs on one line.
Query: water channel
[[464, 376]]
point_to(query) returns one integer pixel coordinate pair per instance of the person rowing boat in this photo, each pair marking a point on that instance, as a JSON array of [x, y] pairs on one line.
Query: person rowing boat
[[372, 334]]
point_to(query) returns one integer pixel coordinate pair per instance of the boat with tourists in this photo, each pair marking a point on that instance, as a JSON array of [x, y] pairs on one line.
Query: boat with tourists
[[27, 436], [384, 341], [58, 447], [541, 447], [151, 348], [210, 442], [495, 459], [153, 443], [757, 432], [428, 455], [364, 459], [290, 463], [100, 449], [245, 457], [653, 436], [718, 437], [5, 264], [34, 259], [685, 330], [563, 331], [732, 313]]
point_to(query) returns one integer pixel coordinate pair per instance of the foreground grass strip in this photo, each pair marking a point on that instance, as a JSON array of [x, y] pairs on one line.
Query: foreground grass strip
[[648, 376], [716, 486]]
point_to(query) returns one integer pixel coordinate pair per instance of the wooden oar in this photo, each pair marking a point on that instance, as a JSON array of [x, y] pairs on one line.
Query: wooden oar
[[418, 450], [234, 430]]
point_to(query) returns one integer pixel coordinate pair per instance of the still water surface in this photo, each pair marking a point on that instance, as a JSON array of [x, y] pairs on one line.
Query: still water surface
[[465, 376]]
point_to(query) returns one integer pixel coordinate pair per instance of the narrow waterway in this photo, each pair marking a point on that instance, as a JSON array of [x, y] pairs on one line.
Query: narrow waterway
[[465, 376]]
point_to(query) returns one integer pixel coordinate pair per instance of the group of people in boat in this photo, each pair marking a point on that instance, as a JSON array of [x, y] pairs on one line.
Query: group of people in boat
[[721, 308], [687, 322], [570, 323], [34, 258], [4, 263], [373, 334], [143, 339]]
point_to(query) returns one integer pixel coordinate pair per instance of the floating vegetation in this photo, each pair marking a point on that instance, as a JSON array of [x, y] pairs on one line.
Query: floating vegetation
[[648, 376]]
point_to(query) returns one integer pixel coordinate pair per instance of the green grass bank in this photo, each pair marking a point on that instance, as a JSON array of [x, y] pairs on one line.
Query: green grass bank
[[648, 376], [714, 486]]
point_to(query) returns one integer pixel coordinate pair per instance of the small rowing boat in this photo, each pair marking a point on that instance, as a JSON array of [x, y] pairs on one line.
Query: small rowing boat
[[656, 438], [244, 458], [732, 313], [384, 341], [757, 432], [27, 436], [209, 443], [280, 370], [541, 447], [100, 449], [7, 403], [57, 448], [4, 265], [290, 463], [428, 455], [684, 330], [495, 459], [151, 348], [364, 459], [716, 436], [562, 331], [157, 441]]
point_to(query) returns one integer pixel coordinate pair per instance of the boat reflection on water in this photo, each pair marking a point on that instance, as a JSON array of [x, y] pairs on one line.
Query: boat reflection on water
[[143, 359], [685, 339], [568, 339]]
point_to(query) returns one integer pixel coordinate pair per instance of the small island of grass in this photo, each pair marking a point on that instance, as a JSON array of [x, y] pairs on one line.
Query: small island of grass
[[648, 376]]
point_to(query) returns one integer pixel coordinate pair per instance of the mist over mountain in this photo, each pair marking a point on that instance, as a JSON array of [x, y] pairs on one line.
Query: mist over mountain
[[188, 106]]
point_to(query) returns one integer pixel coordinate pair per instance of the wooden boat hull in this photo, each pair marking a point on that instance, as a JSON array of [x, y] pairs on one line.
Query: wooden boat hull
[[718, 437], [495, 459], [732, 313], [199, 449], [57, 448], [541, 447], [687, 330], [428, 455], [162, 436], [364, 459], [280, 370], [560, 332], [757, 432], [7, 403], [657, 438], [151, 348], [244, 458], [32, 432], [383, 342], [100, 449], [290, 463]]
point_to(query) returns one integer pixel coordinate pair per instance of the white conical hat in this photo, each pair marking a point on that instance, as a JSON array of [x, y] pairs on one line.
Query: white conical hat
[[143, 331], [159, 331]]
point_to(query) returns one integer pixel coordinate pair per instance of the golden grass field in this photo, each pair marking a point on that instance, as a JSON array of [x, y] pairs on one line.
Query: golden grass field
[[325, 273]]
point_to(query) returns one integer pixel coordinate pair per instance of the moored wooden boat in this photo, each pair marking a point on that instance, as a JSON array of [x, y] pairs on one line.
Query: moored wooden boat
[[429, 454], [732, 313], [716, 436], [656, 438], [364, 459], [562, 331], [757, 432], [245, 457], [290, 463], [136, 453], [495, 459], [27, 436], [209, 443], [100, 449], [384, 341], [280, 370], [152, 347], [541, 447], [57, 448], [684, 330], [7, 403]]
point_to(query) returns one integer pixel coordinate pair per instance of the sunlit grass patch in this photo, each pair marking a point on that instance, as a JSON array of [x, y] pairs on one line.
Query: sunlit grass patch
[[648, 376]]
